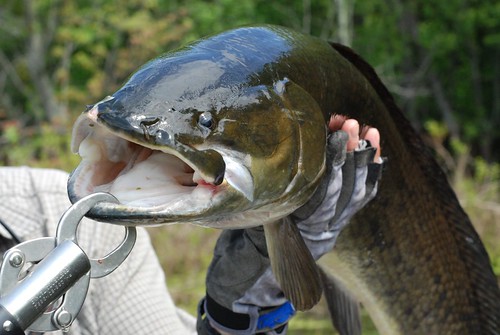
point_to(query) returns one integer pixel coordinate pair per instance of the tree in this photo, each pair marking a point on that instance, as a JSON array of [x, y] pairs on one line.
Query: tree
[[440, 59]]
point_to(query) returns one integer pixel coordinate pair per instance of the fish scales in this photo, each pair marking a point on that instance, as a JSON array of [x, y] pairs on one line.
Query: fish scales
[[426, 260]]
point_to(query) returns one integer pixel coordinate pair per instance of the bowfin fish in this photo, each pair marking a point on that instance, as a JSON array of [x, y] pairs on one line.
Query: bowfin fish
[[230, 132], [199, 136]]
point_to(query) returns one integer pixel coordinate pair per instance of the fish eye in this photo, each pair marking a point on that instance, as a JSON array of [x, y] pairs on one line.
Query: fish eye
[[206, 120]]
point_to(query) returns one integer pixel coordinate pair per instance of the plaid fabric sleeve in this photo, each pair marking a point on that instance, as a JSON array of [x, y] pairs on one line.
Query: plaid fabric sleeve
[[134, 298]]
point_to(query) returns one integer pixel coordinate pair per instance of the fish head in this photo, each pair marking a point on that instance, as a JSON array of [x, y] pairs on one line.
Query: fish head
[[179, 143]]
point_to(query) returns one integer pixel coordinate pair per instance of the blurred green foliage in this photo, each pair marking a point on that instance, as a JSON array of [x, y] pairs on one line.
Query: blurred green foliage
[[440, 59]]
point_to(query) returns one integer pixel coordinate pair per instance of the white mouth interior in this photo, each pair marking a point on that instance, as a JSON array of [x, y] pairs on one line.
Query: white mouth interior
[[139, 176], [135, 175]]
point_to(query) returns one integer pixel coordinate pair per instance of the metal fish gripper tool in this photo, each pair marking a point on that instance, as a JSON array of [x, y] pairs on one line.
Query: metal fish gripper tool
[[44, 281]]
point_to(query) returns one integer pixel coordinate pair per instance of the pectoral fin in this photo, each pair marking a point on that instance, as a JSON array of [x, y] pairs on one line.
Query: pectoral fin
[[292, 264]]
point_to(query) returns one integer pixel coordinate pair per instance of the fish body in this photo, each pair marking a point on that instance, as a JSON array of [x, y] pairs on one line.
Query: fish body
[[238, 123]]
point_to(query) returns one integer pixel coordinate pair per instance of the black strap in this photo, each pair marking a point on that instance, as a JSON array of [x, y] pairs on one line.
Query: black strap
[[275, 318], [227, 317], [12, 234]]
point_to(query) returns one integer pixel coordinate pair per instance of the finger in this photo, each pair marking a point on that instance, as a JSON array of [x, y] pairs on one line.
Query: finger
[[373, 136], [364, 130], [336, 122], [351, 127]]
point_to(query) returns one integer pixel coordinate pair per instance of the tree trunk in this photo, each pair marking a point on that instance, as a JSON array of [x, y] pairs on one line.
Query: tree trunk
[[345, 12], [37, 47]]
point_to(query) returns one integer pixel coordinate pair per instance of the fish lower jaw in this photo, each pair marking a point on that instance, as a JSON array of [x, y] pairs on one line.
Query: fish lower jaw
[[143, 186], [146, 196], [143, 207]]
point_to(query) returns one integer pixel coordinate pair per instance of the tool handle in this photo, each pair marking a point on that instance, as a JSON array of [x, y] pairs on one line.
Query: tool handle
[[51, 278], [9, 324]]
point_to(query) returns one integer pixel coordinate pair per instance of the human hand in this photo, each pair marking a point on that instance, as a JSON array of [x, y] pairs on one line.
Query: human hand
[[250, 294]]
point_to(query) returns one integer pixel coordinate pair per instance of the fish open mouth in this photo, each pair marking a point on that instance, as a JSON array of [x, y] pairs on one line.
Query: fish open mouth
[[138, 176]]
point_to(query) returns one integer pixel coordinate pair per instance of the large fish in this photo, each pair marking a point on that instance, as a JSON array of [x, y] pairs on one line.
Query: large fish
[[229, 132]]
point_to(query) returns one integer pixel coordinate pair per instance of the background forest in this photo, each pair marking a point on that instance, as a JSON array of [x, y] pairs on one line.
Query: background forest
[[440, 59]]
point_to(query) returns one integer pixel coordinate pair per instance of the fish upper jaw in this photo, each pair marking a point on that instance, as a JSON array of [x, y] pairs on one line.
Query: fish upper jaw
[[152, 186], [176, 137]]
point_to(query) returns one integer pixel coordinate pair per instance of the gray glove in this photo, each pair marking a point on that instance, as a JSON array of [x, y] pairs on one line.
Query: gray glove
[[243, 297]]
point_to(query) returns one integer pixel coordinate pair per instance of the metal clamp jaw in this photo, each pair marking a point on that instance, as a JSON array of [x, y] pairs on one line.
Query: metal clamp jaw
[[35, 274]]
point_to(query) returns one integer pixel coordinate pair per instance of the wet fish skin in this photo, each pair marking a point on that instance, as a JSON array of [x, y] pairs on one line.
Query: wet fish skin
[[412, 254], [256, 109], [412, 257]]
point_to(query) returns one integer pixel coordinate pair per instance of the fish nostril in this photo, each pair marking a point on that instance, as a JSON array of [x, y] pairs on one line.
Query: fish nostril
[[150, 121], [146, 125]]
